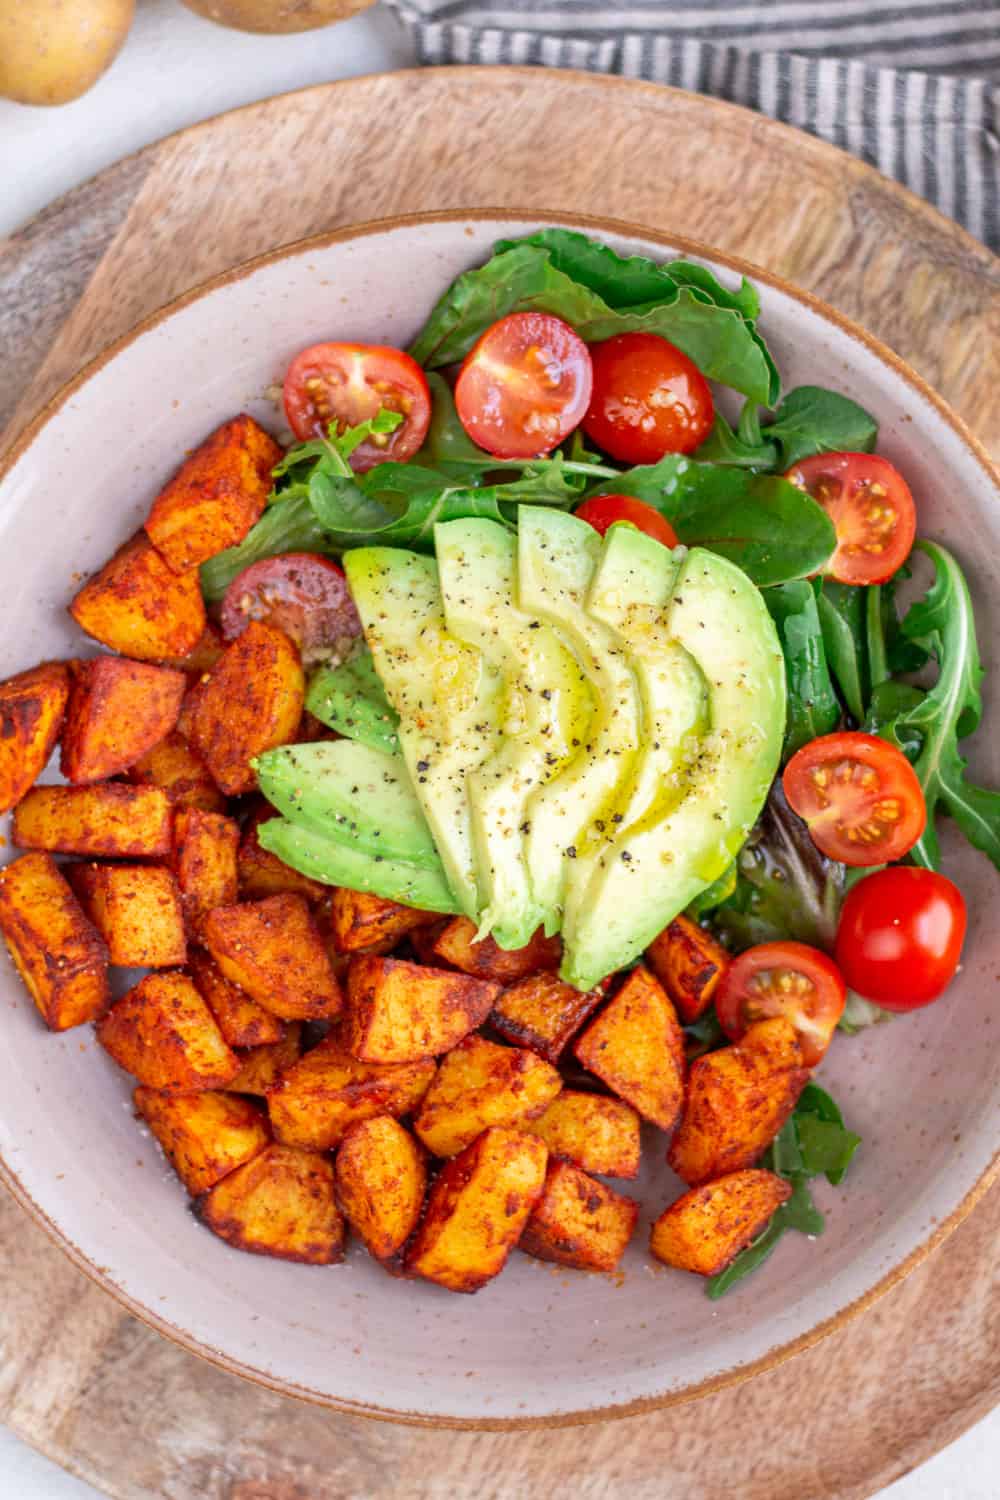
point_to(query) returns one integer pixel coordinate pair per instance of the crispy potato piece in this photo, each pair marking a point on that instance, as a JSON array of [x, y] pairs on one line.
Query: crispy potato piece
[[250, 701], [271, 948], [261, 1067], [593, 1132], [280, 1204], [203, 654], [636, 1046], [117, 711], [477, 1209], [136, 909], [215, 497], [381, 1179], [262, 873], [57, 951], [173, 765], [456, 945], [32, 707], [689, 963], [204, 1136], [164, 1034], [205, 846], [578, 1221], [478, 1085], [738, 1099], [242, 1021], [398, 1011], [707, 1226], [138, 606], [113, 820], [315, 1102], [542, 1013], [359, 920]]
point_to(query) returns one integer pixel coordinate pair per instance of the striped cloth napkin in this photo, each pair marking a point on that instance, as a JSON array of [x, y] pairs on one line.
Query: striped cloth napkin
[[911, 86]]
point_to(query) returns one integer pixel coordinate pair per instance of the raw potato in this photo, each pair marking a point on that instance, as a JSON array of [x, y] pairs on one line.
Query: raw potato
[[381, 1179], [136, 909], [204, 1136], [111, 819], [186, 780], [399, 1011], [280, 1204], [636, 1047], [314, 1103], [593, 1132], [262, 873], [706, 1227], [689, 963], [52, 51], [578, 1221], [251, 701], [479, 1084], [117, 711], [456, 945], [277, 15], [543, 1014], [272, 950], [359, 920], [32, 706], [242, 1021], [261, 1067], [137, 606], [57, 951], [205, 845], [164, 1034]]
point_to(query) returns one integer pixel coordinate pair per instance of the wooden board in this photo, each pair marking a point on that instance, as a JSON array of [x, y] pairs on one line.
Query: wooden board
[[81, 1380]]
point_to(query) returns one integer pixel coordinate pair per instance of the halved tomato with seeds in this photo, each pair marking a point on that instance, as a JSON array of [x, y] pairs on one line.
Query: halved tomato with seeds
[[351, 383], [870, 504], [524, 386], [783, 979], [859, 797]]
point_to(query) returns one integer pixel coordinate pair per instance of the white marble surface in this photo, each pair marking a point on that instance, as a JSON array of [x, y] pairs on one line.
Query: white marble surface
[[176, 69]]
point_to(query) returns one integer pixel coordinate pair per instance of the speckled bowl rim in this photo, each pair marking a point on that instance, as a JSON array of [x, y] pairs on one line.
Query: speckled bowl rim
[[693, 1392]]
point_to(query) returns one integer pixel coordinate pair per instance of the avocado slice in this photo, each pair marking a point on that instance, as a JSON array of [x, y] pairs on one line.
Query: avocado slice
[[345, 789], [547, 706], [447, 696], [328, 860], [661, 861], [351, 699]]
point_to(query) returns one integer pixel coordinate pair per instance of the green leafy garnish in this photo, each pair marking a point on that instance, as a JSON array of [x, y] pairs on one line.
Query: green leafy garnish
[[813, 708], [813, 420], [842, 617]]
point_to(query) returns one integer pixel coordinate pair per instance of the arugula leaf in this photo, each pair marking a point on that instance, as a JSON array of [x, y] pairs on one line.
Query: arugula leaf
[[288, 527], [812, 704], [724, 446], [827, 1147], [813, 420], [329, 454], [841, 614]]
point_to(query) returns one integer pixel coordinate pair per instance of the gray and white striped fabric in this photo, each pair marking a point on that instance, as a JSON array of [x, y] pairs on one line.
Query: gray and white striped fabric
[[912, 86]]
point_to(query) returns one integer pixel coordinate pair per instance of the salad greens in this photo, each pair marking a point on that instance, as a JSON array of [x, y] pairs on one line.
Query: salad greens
[[813, 708], [809, 420]]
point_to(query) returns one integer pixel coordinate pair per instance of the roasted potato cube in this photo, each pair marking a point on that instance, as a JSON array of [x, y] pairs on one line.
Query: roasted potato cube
[[261, 1067], [203, 654], [707, 1226], [477, 1209], [57, 951], [315, 1102], [242, 1021], [636, 1046], [215, 497], [543, 1014], [249, 702], [578, 1221], [398, 1011], [381, 1178], [262, 873], [205, 846], [32, 706], [138, 606], [689, 963], [136, 909], [204, 1136], [117, 711], [173, 765], [280, 1204], [738, 1099], [272, 949], [456, 945], [593, 1132], [113, 820], [480, 1084], [164, 1034], [359, 920]]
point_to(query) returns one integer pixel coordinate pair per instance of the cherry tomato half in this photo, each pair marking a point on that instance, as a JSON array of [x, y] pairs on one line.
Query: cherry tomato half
[[783, 979], [649, 399], [605, 510], [870, 504], [859, 797], [524, 386], [350, 383], [301, 593], [900, 936]]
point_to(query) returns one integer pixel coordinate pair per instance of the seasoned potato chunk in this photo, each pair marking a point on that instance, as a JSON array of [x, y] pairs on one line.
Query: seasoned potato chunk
[[186, 780], [315, 1102], [164, 1034], [136, 909], [57, 951], [272, 949], [478, 1085], [205, 846], [543, 1014], [689, 963], [398, 1011], [477, 1209], [204, 1136], [456, 945], [636, 1046], [242, 1021], [262, 873], [249, 702], [203, 654], [261, 1067], [707, 1226], [738, 1099], [578, 1221], [359, 920], [280, 1204], [117, 711], [216, 495], [381, 1179], [138, 606], [32, 706], [115, 820], [596, 1134]]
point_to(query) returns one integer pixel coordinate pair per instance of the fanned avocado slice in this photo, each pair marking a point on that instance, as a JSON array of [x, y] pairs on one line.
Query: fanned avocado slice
[[351, 699], [333, 863]]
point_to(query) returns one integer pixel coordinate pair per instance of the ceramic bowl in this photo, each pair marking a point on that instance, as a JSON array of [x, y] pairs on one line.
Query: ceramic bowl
[[540, 1344]]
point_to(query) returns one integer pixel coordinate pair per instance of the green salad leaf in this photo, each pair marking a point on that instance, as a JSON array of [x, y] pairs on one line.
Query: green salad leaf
[[813, 708], [842, 618], [729, 448], [814, 420]]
